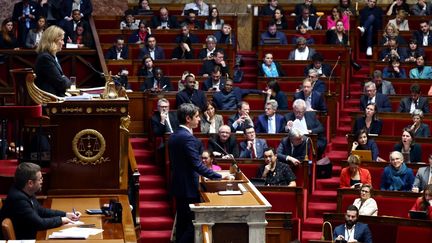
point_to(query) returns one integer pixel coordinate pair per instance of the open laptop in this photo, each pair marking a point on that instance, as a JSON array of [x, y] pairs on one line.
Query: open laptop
[[418, 214], [271, 41], [365, 155]]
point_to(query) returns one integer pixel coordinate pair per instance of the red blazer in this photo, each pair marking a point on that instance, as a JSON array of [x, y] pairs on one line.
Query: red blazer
[[416, 207], [345, 176]]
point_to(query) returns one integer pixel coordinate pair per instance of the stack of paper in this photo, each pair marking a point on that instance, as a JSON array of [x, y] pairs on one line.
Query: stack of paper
[[75, 233]]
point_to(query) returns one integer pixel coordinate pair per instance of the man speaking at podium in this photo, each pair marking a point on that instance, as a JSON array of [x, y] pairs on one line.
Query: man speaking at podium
[[186, 166]]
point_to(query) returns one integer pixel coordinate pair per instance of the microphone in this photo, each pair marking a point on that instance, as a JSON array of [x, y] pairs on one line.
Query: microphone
[[101, 74], [234, 166], [331, 73]]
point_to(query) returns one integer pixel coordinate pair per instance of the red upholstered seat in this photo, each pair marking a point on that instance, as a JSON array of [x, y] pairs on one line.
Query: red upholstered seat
[[20, 112]]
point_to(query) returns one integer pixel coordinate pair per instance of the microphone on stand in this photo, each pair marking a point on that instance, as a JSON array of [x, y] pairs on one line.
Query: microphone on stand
[[331, 73], [234, 166], [101, 74]]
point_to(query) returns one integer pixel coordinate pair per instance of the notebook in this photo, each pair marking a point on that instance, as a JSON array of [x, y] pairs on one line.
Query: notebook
[[418, 214], [365, 155]]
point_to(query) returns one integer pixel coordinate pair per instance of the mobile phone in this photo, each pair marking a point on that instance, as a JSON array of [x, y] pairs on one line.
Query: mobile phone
[[94, 211]]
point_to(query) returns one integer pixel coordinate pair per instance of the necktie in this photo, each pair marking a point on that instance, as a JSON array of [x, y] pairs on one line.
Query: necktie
[[270, 125], [168, 125], [416, 104], [253, 152]]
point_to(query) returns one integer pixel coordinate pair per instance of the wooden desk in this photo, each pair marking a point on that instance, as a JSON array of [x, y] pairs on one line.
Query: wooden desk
[[113, 232]]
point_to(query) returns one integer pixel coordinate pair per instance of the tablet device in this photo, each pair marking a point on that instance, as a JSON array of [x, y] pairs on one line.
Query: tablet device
[[418, 214], [365, 155], [94, 211]]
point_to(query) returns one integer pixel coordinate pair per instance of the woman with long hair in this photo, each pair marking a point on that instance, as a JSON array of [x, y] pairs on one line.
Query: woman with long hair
[[143, 8], [211, 122], [424, 203], [147, 65], [270, 68], [34, 35], [391, 32], [413, 51], [363, 142], [337, 36], [280, 20], [411, 151], [7, 37], [421, 71], [213, 21], [353, 174], [81, 36], [49, 74], [369, 121], [366, 204], [335, 16], [400, 21], [140, 36]]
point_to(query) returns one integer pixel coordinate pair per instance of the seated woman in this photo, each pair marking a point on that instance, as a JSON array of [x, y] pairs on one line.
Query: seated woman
[[397, 176], [391, 32], [424, 203], [208, 159], [211, 122], [396, 6], [366, 204], [140, 36], [34, 35], [183, 50], [353, 174], [420, 129], [393, 70], [369, 121], [274, 92], [413, 51], [401, 21], [143, 8], [421, 71], [362, 142], [7, 36], [337, 36], [336, 15], [147, 66], [81, 37], [269, 68], [280, 20], [410, 150], [213, 21], [302, 31]]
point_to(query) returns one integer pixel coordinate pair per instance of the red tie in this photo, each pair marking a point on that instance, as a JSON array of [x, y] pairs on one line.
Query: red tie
[[253, 152]]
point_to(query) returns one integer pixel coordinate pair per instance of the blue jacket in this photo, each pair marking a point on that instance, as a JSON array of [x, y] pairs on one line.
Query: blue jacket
[[280, 35], [388, 182], [362, 232], [382, 102], [260, 146], [262, 124], [425, 74], [317, 101]]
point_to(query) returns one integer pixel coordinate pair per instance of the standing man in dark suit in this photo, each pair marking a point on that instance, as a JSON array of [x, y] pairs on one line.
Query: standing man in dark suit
[[119, 51], [371, 96], [314, 100], [164, 20], [352, 231], [26, 13], [22, 207], [152, 49], [85, 7], [186, 166], [252, 147], [157, 83], [163, 120], [307, 123], [192, 95], [424, 35], [409, 104], [270, 122]]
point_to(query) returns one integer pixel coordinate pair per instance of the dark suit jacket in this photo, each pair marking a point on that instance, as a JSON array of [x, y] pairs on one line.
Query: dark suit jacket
[[285, 148], [203, 52], [260, 145], [382, 102], [148, 84], [208, 83], [298, 10], [312, 21], [319, 86], [218, 34], [405, 104], [186, 166], [262, 124], [172, 22], [326, 69], [158, 53], [68, 27], [160, 129], [112, 53], [193, 38], [267, 11], [18, 11], [242, 126], [423, 131], [209, 65], [317, 102], [362, 232], [333, 39], [415, 152], [196, 97], [375, 127], [134, 37], [418, 35], [49, 75], [27, 215], [230, 146], [86, 8]]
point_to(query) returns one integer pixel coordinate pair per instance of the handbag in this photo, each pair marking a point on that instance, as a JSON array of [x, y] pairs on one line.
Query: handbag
[[327, 231]]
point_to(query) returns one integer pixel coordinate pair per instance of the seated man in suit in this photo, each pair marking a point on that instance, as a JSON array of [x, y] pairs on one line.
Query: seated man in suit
[[216, 82], [185, 33], [302, 51], [269, 8], [423, 177], [298, 10], [252, 147], [352, 231], [224, 145], [164, 20], [270, 122], [192, 95], [307, 123], [323, 69], [314, 99], [424, 34], [409, 104], [217, 60], [22, 207], [152, 49], [157, 83], [230, 96], [240, 120], [317, 84], [308, 19], [292, 148], [393, 51], [163, 120], [371, 96], [272, 32], [119, 51], [275, 172], [207, 53], [383, 86]]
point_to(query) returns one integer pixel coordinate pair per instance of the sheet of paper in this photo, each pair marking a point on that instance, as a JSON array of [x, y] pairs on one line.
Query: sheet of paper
[[298, 125], [75, 233]]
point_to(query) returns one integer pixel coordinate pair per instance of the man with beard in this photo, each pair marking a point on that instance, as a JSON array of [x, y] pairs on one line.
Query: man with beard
[[230, 96], [192, 95], [273, 33], [302, 51], [383, 86], [22, 207], [157, 83], [352, 231]]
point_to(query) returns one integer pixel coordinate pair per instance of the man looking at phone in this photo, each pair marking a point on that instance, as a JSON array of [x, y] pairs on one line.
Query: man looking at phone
[[22, 207], [352, 231]]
